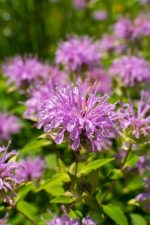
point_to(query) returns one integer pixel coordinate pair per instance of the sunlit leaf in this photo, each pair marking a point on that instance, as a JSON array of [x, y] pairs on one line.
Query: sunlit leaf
[[138, 219], [94, 165], [116, 213]]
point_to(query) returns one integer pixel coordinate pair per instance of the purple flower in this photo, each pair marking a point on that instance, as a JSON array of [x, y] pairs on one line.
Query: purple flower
[[128, 29], [137, 122], [79, 4], [35, 101], [3, 221], [100, 76], [144, 2], [144, 198], [88, 221], [9, 125], [77, 53], [80, 115], [9, 180], [41, 92], [31, 169], [142, 26], [100, 15], [131, 70], [143, 164], [22, 71], [123, 28], [110, 44], [64, 220]]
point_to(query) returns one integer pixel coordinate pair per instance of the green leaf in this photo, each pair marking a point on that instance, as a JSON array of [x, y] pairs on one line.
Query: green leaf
[[94, 165], [51, 161], [138, 219], [115, 213], [54, 185], [63, 200], [116, 174], [132, 160], [27, 209], [34, 145], [24, 190]]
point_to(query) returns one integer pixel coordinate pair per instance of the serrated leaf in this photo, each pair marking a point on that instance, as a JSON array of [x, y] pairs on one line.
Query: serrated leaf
[[138, 219], [116, 214], [94, 165]]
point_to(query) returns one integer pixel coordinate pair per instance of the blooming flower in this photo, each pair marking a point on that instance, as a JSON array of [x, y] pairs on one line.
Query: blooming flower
[[41, 92], [137, 122], [65, 220], [9, 125], [9, 180], [131, 70], [144, 198], [34, 102], [79, 4], [144, 2], [31, 169], [79, 114], [142, 26], [23, 71], [110, 44], [127, 29], [100, 15], [88, 221], [78, 52], [123, 28], [100, 76]]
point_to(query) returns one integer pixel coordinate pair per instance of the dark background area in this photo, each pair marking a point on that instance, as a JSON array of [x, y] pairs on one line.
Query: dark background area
[[36, 26]]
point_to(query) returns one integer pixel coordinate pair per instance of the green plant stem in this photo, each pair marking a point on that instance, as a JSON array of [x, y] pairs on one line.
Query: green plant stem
[[77, 161]]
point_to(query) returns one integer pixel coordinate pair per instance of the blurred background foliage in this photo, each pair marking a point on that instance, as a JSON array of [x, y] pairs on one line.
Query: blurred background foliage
[[36, 26]]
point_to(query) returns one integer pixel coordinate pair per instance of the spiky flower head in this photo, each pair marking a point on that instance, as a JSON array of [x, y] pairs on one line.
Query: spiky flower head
[[102, 78], [77, 53], [30, 169], [131, 70], [9, 180], [80, 4], [22, 71], [137, 119], [65, 220], [9, 125], [80, 115]]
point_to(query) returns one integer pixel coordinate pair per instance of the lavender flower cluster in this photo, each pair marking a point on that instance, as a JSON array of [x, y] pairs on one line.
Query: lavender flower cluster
[[9, 180], [81, 114], [65, 220], [9, 125], [73, 102]]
